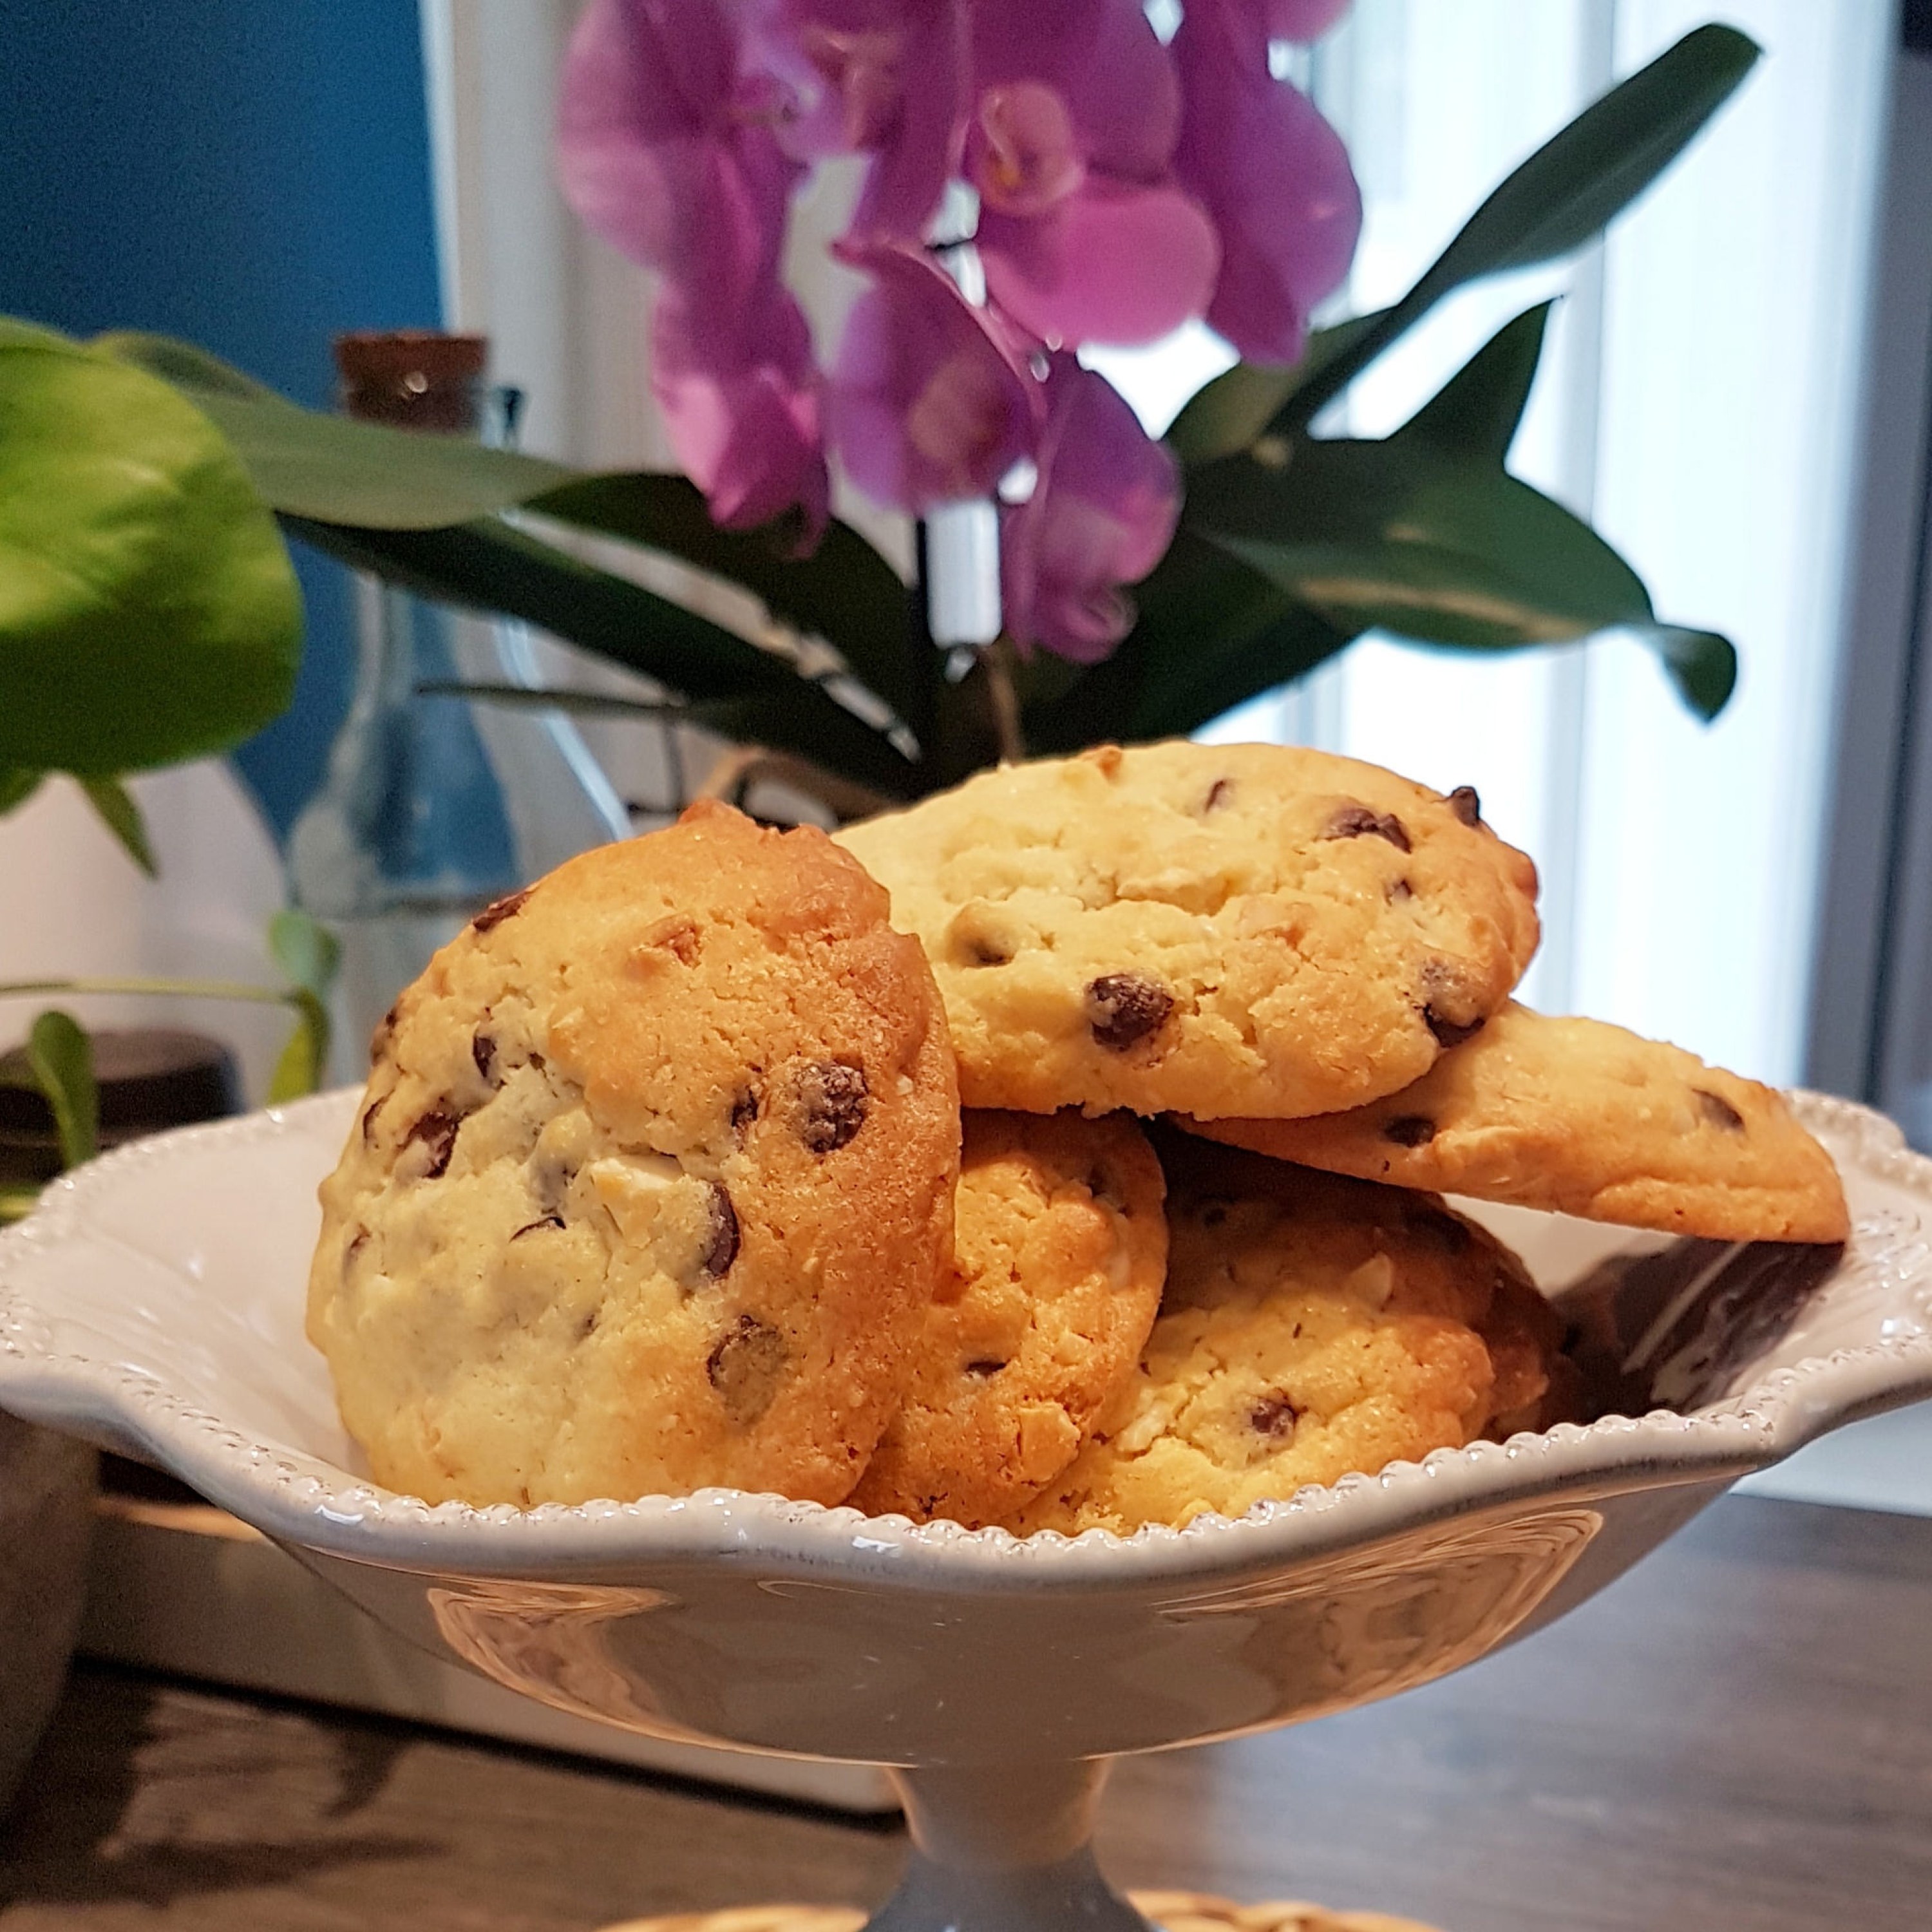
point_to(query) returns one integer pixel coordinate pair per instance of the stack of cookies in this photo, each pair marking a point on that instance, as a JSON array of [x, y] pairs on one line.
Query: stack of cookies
[[662, 1179]]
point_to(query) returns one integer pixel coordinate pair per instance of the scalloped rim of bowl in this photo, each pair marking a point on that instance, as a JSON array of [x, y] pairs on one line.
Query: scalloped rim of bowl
[[300, 1499]]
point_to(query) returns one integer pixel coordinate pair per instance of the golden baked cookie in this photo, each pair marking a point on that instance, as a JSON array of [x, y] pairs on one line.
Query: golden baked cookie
[[1061, 1248], [652, 1183], [1311, 1327], [1260, 929], [1578, 1116]]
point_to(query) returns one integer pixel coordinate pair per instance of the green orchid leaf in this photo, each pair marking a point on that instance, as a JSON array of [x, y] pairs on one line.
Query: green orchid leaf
[[1226, 414], [330, 469], [1398, 536], [1211, 632], [1702, 665], [17, 785], [148, 612], [844, 592], [1476, 413], [304, 1059], [308, 953], [122, 817], [180, 363], [1562, 197], [62, 1058], [491, 566]]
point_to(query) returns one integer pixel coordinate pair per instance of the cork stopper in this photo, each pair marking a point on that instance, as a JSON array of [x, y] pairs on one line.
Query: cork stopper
[[417, 378]]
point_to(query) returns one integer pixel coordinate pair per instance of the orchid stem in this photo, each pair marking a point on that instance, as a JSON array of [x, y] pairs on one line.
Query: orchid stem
[[1003, 699]]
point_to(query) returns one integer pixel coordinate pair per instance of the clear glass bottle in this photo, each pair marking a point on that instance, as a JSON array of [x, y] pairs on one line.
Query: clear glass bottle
[[433, 804]]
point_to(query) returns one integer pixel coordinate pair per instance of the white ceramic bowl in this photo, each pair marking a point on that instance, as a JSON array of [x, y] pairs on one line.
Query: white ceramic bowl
[[154, 1304]]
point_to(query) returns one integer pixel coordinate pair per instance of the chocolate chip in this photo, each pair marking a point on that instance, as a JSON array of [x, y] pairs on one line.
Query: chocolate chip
[[1219, 793], [531, 1227], [1409, 1130], [494, 915], [1718, 1111], [369, 1114], [1357, 821], [436, 1131], [1123, 1008], [1465, 805], [981, 1370], [1274, 1416], [744, 1109], [385, 1030], [744, 1368], [723, 1249], [832, 1101], [483, 1050], [1448, 1032], [1444, 991]]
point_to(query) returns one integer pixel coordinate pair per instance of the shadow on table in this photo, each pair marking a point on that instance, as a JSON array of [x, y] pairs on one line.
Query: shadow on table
[[120, 1805]]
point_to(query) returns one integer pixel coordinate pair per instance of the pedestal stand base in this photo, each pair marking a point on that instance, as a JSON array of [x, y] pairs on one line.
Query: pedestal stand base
[[1170, 1911]]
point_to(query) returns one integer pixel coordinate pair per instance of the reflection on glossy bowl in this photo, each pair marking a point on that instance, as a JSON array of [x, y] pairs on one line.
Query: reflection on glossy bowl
[[154, 1304]]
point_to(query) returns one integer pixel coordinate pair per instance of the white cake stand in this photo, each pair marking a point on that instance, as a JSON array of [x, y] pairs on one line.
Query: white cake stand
[[154, 1304]]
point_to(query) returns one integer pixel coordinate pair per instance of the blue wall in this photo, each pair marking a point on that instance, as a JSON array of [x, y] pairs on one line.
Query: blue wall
[[251, 174]]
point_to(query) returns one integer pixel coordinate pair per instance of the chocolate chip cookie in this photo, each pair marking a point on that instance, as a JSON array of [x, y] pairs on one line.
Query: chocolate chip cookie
[[1264, 930], [1579, 1116], [1312, 1326], [1061, 1250], [652, 1186]]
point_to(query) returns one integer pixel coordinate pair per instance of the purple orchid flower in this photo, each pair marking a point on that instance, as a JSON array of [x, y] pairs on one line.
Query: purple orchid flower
[[1272, 173], [1301, 21], [668, 149], [1101, 515], [741, 403], [1083, 233], [929, 404], [882, 77]]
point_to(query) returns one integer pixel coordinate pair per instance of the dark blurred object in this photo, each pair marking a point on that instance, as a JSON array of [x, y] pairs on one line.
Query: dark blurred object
[[416, 379], [149, 1078]]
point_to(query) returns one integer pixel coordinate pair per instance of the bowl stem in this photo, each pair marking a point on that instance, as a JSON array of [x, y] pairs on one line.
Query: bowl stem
[[1003, 1848]]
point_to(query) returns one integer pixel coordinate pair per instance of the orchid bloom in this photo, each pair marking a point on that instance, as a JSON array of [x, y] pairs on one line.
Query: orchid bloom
[[1102, 514], [663, 152], [1272, 173], [929, 404], [1122, 187]]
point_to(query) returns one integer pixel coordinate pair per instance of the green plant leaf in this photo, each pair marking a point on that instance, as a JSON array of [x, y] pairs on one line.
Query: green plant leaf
[[1227, 413], [1398, 536], [844, 592], [308, 953], [1211, 632], [148, 612], [1702, 665], [1476, 413], [333, 469], [114, 804], [299, 1068], [493, 567], [17, 785], [180, 363], [62, 1058], [1561, 197]]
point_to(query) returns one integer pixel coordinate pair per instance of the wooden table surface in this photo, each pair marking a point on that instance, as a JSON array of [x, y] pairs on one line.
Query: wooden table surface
[[1737, 1736]]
